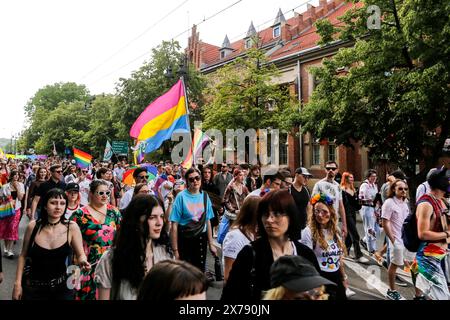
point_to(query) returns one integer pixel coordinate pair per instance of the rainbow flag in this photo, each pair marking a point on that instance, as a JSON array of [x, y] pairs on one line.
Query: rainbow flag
[[128, 175], [199, 141], [161, 118], [82, 158]]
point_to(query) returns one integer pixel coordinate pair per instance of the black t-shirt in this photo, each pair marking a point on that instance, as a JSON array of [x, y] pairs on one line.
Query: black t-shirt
[[46, 186], [301, 200]]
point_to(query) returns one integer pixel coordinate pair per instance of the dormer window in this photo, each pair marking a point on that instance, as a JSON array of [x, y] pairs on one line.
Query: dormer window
[[248, 43], [222, 54], [276, 31]]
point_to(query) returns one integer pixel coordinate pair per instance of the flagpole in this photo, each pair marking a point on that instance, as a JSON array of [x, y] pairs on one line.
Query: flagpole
[[187, 113]]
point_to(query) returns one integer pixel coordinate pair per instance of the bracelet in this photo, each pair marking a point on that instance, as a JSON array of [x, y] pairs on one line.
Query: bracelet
[[446, 234]]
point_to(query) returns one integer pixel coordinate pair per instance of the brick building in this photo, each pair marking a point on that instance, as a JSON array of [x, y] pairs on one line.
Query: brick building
[[292, 45]]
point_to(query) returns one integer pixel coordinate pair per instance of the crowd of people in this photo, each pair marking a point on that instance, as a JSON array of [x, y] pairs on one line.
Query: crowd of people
[[277, 239]]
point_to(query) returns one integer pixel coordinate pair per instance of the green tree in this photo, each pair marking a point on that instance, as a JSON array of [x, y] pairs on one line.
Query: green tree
[[393, 94], [242, 95], [40, 112]]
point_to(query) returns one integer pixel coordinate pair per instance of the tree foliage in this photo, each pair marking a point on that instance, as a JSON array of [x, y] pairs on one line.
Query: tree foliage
[[243, 95], [393, 94]]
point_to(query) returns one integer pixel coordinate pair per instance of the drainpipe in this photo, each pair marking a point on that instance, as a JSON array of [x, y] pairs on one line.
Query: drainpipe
[[299, 88]]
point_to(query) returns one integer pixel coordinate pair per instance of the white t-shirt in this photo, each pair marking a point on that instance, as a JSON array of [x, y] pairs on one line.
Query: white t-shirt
[[396, 211], [21, 189], [233, 243], [333, 190], [84, 191], [330, 259], [104, 273]]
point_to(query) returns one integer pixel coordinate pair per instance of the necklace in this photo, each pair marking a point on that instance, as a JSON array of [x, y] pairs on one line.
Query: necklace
[[54, 224]]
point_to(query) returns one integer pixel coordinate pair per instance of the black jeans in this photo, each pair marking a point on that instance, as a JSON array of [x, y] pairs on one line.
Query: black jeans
[[193, 250], [352, 235]]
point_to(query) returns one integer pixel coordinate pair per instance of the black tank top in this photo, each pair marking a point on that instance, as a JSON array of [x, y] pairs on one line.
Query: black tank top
[[49, 264]]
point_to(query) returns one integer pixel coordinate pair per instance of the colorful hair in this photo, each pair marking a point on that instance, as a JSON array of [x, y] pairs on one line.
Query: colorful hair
[[321, 197]]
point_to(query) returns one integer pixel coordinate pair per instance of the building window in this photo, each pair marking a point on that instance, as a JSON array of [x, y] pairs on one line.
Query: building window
[[248, 43], [276, 31], [315, 154], [222, 54], [332, 152]]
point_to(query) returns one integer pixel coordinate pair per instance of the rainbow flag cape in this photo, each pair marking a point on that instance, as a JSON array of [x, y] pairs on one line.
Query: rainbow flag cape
[[82, 158], [161, 118], [199, 141], [128, 175]]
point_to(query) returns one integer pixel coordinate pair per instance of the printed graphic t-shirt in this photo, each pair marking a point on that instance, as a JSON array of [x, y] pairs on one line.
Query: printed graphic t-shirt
[[329, 259], [188, 207]]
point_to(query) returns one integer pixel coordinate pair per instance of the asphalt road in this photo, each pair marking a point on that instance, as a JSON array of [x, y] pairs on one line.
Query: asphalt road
[[369, 281]]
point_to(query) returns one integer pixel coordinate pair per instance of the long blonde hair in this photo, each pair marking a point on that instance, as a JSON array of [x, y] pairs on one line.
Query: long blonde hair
[[278, 293], [316, 230]]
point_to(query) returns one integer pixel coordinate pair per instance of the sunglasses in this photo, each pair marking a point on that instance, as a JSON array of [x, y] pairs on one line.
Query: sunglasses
[[330, 169], [196, 178], [102, 193], [320, 211], [402, 189], [58, 171], [143, 177]]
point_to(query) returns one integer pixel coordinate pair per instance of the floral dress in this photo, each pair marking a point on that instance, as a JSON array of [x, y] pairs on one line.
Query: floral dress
[[97, 238]]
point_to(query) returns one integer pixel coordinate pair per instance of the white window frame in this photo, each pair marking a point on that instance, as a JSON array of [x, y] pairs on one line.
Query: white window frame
[[276, 31]]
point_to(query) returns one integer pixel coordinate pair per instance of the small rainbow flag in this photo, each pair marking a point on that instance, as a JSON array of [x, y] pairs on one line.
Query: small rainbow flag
[[82, 158]]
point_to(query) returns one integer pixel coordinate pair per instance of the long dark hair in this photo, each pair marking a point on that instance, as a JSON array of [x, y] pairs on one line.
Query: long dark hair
[[130, 241], [172, 279], [54, 193]]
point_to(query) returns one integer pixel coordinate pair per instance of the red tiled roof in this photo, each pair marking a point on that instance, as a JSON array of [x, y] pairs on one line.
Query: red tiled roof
[[308, 38]]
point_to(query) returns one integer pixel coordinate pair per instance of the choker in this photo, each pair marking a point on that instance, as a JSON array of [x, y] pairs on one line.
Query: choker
[[54, 224]]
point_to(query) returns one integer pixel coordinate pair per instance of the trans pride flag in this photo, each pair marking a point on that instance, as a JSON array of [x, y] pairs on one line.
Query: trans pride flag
[[82, 158], [161, 118]]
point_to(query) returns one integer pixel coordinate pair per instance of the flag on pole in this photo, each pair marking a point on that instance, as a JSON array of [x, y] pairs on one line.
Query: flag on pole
[[82, 158], [108, 152], [199, 141], [161, 118]]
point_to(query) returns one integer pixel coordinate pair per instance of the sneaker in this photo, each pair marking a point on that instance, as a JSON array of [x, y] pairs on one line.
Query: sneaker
[[349, 292], [9, 255], [394, 295], [362, 259], [422, 297], [363, 244], [400, 282]]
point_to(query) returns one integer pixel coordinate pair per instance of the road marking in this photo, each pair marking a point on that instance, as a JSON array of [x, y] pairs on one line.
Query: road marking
[[371, 279], [368, 293]]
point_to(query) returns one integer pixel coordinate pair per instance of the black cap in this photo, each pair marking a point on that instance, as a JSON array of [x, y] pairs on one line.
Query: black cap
[[72, 187], [303, 171], [296, 273]]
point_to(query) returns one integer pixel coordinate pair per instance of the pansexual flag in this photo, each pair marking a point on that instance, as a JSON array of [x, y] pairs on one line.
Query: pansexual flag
[[161, 118], [82, 158]]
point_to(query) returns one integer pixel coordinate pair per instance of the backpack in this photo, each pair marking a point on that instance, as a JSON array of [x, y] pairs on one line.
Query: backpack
[[410, 234]]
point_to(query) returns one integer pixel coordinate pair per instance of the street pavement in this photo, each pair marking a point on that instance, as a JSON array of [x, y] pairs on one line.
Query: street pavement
[[368, 281]]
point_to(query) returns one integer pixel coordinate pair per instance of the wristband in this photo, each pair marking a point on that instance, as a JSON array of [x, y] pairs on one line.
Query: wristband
[[446, 234]]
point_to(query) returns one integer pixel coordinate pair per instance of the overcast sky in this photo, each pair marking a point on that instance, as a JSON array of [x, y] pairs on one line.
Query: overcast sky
[[95, 42]]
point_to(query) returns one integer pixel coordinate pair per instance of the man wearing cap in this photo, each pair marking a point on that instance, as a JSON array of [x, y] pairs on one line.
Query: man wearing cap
[[73, 196], [300, 193], [298, 278], [332, 189]]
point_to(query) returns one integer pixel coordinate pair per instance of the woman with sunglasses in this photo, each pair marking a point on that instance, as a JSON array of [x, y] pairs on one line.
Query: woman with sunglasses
[[98, 222], [323, 237], [279, 232], [394, 212]]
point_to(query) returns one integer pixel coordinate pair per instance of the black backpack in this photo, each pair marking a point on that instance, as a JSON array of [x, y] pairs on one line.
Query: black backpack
[[410, 234]]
